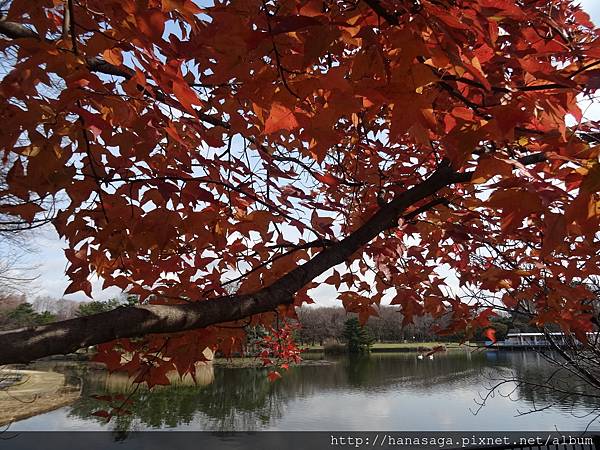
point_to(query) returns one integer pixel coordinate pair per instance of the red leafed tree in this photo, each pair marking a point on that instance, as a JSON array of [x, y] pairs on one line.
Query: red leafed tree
[[275, 145]]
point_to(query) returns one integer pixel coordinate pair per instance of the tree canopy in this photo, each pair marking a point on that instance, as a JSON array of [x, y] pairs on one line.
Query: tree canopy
[[222, 161]]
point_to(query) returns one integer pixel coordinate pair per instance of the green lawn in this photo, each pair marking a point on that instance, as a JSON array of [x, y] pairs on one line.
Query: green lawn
[[409, 344], [397, 345]]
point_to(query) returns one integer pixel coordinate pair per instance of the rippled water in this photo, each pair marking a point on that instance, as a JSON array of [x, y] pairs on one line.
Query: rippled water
[[380, 392]]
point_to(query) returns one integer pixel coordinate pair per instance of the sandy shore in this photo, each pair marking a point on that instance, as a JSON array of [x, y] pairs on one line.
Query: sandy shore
[[35, 393]]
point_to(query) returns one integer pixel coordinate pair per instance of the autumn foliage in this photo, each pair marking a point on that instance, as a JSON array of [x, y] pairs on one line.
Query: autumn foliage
[[245, 152]]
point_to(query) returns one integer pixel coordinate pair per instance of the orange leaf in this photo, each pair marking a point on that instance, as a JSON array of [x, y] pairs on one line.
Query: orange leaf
[[280, 118], [327, 179], [185, 94], [490, 333], [488, 168], [113, 56]]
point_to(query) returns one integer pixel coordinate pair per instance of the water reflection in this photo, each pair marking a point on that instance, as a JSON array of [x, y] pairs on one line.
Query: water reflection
[[386, 391], [533, 373]]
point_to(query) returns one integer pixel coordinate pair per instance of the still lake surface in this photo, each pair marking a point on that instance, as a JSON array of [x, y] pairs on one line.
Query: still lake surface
[[379, 392]]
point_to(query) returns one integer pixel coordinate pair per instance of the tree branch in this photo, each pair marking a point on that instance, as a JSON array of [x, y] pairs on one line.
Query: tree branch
[[382, 12], [26, 344], [15, 30]]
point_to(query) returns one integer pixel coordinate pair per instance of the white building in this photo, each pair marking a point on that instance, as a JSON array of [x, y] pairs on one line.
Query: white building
[[538, 339]]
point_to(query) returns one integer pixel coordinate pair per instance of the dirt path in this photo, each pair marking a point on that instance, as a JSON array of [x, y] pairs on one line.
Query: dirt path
[[35, 393]]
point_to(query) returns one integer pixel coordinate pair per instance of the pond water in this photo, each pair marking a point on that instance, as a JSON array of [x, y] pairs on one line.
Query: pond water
[[380, 392]]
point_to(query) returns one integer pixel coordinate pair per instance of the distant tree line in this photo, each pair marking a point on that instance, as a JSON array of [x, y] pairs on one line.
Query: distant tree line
[[320, 325], [16, 310], [317, 325]]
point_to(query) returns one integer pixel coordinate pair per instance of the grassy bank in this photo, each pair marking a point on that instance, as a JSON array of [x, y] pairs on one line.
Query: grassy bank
[[399, 347], [35, 393]]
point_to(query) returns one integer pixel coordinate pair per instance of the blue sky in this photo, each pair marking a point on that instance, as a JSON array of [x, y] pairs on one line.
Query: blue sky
[[593, 9], [51, 262]]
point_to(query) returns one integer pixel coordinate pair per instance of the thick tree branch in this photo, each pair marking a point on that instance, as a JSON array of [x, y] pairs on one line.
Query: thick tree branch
[[24, 345], [15, 30]]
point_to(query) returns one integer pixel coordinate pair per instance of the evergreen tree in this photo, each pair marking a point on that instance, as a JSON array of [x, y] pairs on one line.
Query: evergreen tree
[[95, 307], [25, 316], [358, 338]]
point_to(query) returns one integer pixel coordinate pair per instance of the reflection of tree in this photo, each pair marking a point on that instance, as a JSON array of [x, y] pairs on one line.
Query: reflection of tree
[[243, 399], [357, 369], [236, 399], [571, 354], [539, 379]]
